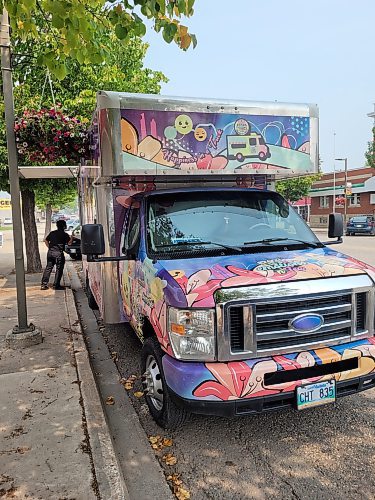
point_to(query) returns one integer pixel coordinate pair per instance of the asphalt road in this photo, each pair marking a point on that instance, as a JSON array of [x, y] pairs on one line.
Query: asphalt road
[[323, 453]]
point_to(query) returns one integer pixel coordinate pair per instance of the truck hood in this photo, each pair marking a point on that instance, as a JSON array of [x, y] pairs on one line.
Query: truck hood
[[193, 282]]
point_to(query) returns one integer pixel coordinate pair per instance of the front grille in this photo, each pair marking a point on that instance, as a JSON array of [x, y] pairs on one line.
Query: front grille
[[236, 329], [361, 311], [272, 330]]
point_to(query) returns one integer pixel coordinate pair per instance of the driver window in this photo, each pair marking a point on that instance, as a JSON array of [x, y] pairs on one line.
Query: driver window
[[132, 232]]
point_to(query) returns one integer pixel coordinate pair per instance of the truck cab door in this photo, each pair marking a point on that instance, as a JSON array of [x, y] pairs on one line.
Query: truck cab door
[[129, 269]]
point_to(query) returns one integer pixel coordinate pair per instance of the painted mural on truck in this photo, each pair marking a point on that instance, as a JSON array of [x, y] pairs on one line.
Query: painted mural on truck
[[178, 142], [246, 379], [148, 286]]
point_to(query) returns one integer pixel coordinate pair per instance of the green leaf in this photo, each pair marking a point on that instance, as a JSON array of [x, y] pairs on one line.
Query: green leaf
[[161, 4], [169, 32], [181, 5], [57, 21], [30, 4], [190, 4], [60, 71], [80, 57], [121, 32]]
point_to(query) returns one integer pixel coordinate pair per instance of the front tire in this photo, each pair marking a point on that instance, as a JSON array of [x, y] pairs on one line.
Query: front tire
[[162, 408], [90, 297]]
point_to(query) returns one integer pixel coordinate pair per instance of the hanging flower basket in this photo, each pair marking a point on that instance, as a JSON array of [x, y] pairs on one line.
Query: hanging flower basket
[[49, 137]]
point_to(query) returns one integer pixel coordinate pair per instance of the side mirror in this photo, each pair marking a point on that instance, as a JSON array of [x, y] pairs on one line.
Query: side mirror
[[92, 240], [335, 229], [335, 226]]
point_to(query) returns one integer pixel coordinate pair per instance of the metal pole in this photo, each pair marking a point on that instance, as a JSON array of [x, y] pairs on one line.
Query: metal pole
[[334, 188], [345, 187], [334, 172], [13, 174]]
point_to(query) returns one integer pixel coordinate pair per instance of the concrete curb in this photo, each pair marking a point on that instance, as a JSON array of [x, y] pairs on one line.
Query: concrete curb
[[110, 481], [142, 473]]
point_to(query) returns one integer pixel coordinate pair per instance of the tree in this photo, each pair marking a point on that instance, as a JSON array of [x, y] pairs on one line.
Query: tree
[[297, 187], [123, 71], [370, 153], [66, 30], [59, 193]]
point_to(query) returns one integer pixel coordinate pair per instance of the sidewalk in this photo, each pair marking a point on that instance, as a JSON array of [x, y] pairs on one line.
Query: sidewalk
[[54, 442]]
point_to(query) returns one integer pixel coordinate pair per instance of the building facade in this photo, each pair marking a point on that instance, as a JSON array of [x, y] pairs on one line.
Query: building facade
[[328, 195]]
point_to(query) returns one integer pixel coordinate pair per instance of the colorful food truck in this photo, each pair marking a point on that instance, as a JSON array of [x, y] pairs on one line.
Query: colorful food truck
[[240, 308]]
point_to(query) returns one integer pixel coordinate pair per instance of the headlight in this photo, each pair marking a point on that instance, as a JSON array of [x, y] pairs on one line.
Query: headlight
[[192, 333]]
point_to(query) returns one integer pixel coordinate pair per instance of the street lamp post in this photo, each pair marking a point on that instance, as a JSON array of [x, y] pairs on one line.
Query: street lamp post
[[23, 334], [345, 185]]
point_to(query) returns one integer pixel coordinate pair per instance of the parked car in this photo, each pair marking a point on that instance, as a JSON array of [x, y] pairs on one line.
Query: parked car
[[74, 250], [361, 224], [7, 221], [60, 216], [71, 224]]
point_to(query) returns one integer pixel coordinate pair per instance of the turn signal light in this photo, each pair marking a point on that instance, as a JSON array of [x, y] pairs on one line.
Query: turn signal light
[[179, 329]]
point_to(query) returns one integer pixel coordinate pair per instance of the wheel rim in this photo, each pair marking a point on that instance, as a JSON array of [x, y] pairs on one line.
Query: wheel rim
[[153, 382]]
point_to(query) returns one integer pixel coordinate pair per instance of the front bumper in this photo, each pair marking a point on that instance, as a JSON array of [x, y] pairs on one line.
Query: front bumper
[[365, 230], [267, 403], [264, 384]]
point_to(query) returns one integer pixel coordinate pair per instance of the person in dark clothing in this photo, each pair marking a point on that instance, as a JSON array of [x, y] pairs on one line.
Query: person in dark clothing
[[55, 241]]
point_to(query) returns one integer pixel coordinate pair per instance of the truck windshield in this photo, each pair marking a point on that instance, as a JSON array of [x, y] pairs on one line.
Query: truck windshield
[[226, 220]]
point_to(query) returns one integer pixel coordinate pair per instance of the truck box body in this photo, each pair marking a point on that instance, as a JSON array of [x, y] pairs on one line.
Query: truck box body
[[250, 310], [155, 135]]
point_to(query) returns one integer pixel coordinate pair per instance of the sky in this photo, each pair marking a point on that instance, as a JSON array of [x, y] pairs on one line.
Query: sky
[[319, 52]]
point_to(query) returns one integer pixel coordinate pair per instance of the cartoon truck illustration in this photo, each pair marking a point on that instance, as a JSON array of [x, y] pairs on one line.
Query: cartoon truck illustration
[[239, 306], [240, 147]]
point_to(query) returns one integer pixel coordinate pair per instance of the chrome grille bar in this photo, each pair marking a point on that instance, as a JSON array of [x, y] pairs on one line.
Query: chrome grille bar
[[291, 314], [266, 311]]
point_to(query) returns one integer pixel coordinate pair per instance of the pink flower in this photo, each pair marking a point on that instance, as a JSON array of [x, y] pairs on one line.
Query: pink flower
[[236, 380]]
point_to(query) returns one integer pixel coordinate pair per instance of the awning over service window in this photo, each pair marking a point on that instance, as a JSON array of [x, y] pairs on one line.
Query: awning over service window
[[48, 172]]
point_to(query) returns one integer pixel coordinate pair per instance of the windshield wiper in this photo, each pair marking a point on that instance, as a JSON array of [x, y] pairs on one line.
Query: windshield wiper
[[267, 241], [187, 243]]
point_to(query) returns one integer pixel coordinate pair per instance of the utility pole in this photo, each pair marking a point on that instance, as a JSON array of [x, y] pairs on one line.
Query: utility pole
[[334, 173], [345, 186], [23, 326]]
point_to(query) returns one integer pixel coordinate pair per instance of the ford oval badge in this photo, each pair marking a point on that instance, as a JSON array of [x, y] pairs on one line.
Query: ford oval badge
[[305, 323]]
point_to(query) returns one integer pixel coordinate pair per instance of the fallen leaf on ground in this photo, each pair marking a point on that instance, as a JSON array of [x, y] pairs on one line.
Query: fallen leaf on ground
[[175, 478], [128, 383], [138, 394], [154, 439], [110, 400], [169, 459], [159, 442], [181, 493]]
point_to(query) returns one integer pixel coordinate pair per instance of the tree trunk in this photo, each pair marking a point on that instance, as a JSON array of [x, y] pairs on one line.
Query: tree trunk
[[48, 219], [34, 264]]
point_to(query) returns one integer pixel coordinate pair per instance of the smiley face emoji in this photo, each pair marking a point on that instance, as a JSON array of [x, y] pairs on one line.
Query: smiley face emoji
[[200, 134], [183, 124]]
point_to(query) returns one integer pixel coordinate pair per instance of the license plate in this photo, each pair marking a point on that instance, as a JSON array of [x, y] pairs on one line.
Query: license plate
[[359, 225], [311, 395], [72, 250]]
